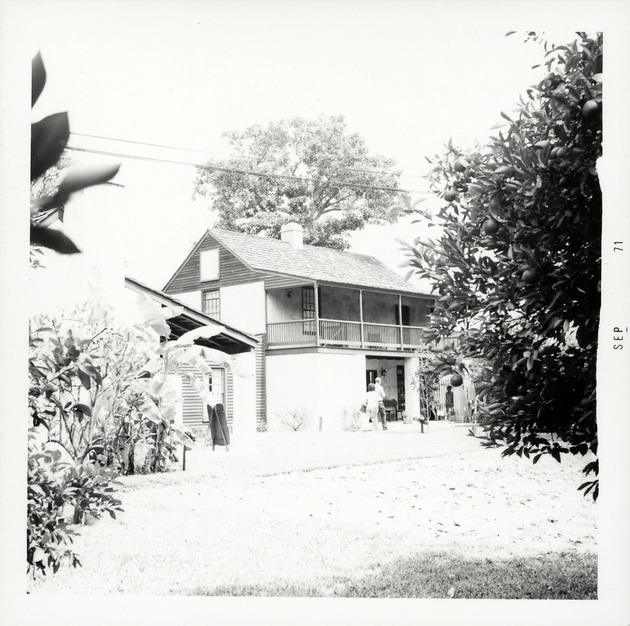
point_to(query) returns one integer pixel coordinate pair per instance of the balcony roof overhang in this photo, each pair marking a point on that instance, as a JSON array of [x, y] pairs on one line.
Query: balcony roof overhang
[[230, 340]]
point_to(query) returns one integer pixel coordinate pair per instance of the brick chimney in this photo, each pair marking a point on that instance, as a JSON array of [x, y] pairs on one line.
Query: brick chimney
[[292, 234]]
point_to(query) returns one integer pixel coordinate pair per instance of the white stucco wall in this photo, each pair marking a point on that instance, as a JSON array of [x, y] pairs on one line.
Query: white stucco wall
[[342, 379], [321, 384], [190, 298], [243, 306], [244, 405]]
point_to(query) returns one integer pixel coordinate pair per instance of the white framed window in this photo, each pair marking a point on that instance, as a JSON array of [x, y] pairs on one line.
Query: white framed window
[[209, 264], [216, 388], [216, 384], [212, 303]]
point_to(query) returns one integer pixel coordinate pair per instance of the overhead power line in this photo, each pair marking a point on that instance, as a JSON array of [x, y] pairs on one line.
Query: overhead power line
[[156, 145], [231, 155], [333, 183]]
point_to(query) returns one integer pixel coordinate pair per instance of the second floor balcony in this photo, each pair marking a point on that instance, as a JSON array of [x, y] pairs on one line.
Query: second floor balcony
[[321, 315]]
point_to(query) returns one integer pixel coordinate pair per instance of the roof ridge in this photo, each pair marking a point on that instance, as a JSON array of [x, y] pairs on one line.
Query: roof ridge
[[306, 245], [312, 262]]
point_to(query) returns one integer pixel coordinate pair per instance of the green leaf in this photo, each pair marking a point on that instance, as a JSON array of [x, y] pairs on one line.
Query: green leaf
[[38, 78], [182, 437], [86, 381], [153, 315], [83, 408], [79, 177], [88, 369], [53, 239], [38, 555], [151, 412], [49, 138], [205, 332]]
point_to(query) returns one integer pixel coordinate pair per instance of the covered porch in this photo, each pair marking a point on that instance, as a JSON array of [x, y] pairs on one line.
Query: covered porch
[[326, 315]]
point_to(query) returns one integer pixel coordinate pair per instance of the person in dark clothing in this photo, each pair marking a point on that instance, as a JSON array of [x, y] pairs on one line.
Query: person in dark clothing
[[449, 402]]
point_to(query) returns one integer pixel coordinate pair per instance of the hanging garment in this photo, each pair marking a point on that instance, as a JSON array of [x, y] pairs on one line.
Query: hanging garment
[[218, 426]]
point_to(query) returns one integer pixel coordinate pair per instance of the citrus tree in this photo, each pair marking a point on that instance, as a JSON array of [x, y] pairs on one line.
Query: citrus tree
[[516, 262]]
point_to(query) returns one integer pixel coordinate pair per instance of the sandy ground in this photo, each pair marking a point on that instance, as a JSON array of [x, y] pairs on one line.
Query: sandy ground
[[311, 506]]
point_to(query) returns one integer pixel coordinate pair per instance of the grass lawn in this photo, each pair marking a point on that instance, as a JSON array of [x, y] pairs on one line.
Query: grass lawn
[[395, 514], [559, 576]]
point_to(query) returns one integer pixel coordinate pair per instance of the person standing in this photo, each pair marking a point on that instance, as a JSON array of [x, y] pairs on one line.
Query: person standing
[[449, 402], [381, 406], [371, 406]]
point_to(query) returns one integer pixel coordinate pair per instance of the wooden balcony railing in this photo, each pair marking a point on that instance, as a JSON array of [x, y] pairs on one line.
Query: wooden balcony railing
[[340, 332], [349, 334], [295, 333]]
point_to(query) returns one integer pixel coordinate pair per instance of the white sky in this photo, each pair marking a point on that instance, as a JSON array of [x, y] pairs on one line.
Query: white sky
[[181, 73]]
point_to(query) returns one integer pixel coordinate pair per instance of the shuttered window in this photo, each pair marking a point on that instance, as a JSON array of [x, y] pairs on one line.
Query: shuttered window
[[212, 303], [209, 264]]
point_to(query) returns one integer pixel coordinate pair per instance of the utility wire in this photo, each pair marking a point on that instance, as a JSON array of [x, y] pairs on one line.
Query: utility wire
[[156, 145], [333, 183], [231, 156]]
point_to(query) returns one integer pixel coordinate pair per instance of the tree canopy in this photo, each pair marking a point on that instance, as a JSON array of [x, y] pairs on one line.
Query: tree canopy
[[313, 172], [517, 263]]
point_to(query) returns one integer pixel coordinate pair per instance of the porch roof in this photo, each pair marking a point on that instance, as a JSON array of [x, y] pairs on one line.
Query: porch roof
[[312, 262], [230, 341]]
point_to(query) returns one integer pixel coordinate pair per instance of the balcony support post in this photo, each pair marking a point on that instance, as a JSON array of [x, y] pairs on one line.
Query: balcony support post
[[316, 294], [400, 320], [361, 314]]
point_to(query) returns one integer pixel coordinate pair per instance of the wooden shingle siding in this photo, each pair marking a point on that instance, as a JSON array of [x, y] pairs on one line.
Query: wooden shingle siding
[[232, 271], [193, 409], [187, 277], [279, 282], [261, 386], [229, 397]]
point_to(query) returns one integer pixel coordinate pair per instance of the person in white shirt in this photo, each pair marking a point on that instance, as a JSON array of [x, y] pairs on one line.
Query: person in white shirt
[[371, 407], [381, 407]]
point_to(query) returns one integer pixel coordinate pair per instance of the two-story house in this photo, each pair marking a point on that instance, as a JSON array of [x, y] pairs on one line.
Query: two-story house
[[329, 321]]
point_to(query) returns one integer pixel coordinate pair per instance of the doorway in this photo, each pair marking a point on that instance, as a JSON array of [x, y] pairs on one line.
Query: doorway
[[370, 377], [391, 371]]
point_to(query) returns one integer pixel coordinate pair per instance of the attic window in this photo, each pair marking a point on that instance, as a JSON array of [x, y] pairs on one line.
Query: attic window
[[209, 264]]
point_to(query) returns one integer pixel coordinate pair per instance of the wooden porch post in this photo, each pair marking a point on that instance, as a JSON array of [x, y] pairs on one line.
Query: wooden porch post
[[361, 313], [400, 319], [316, 294]]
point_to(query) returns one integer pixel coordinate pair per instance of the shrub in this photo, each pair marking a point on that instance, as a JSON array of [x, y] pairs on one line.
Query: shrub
[[352, 420], [53, 485], [295, 419]]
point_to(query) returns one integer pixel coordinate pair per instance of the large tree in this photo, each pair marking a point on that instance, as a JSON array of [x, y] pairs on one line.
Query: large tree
[[313, 172], [517, 261]]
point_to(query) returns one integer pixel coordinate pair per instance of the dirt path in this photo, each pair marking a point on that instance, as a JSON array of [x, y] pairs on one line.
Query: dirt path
[[308, 508]]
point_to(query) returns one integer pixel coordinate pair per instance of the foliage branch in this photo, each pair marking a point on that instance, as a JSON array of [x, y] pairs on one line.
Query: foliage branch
[[49, 138], [517, 265]]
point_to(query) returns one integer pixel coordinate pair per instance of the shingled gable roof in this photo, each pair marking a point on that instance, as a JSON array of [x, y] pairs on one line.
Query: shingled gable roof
[[312, 262]]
